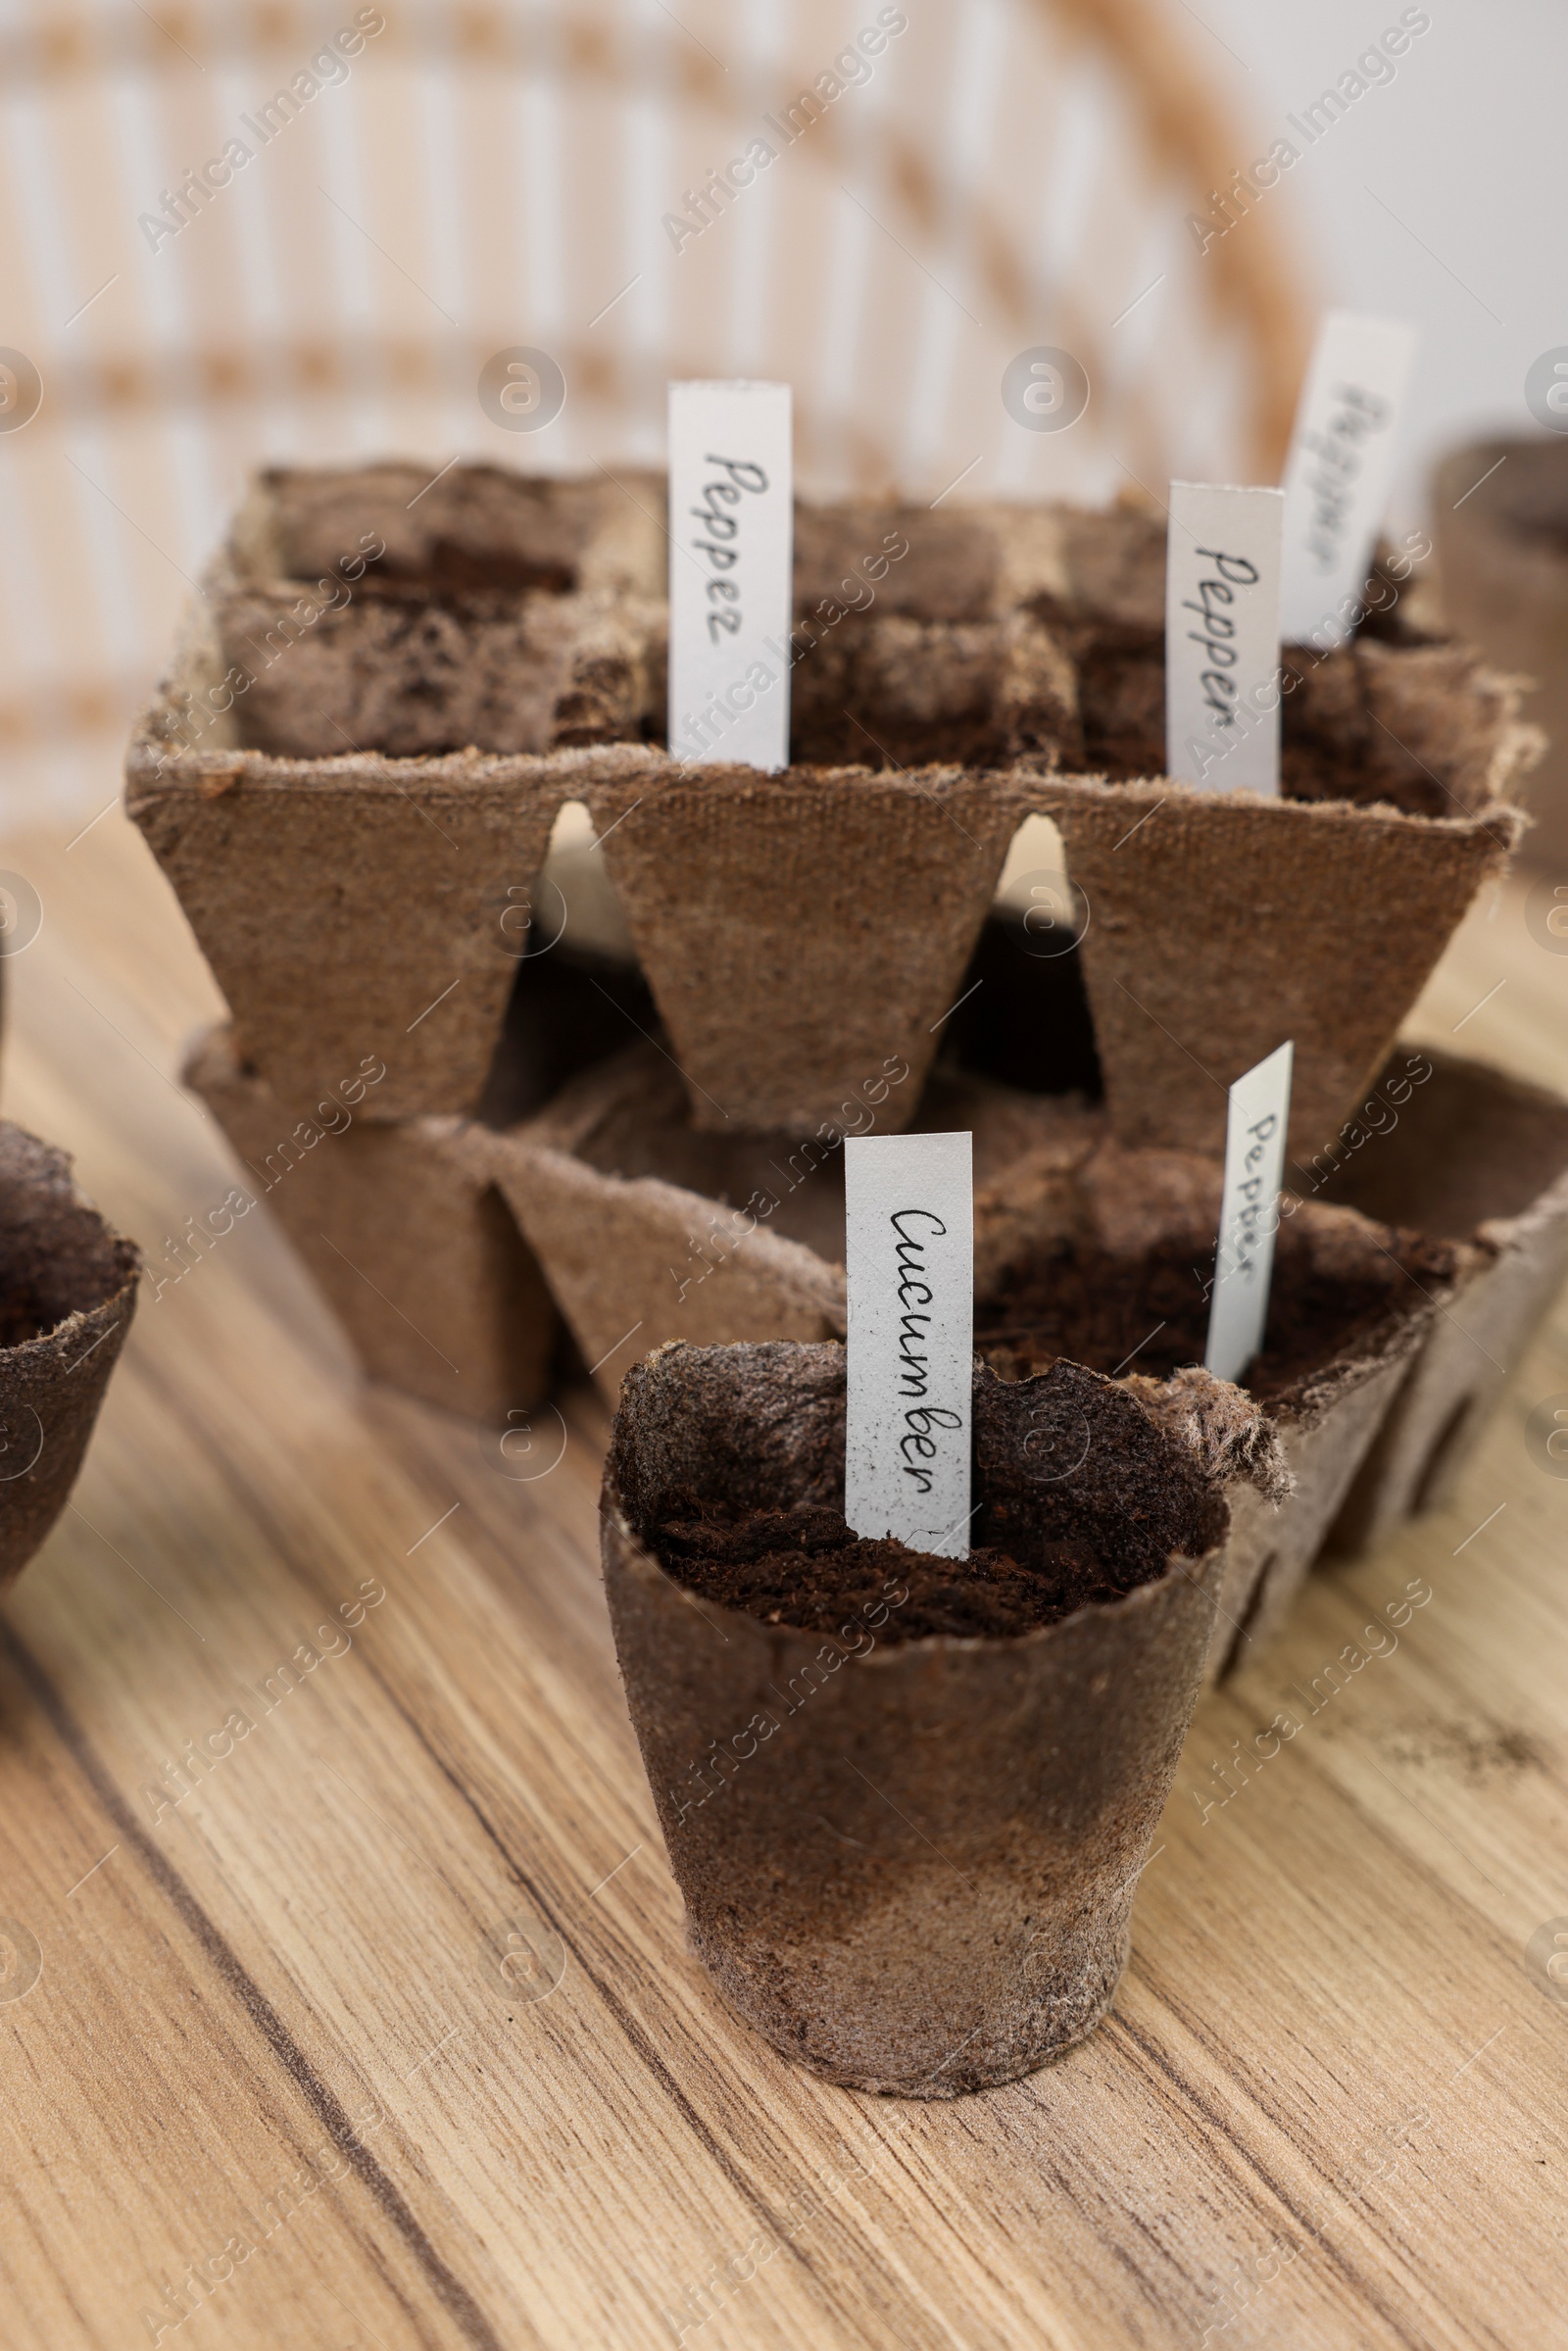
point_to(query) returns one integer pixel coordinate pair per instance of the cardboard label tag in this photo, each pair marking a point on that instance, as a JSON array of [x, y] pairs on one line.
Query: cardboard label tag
[[731, 571], [1243, 1262], [1222, 637], [909, 1261], [1338, 471]]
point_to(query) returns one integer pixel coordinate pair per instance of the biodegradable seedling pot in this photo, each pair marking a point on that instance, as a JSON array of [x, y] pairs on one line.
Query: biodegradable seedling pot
[[417, 1254], [1482, 1158], [351, 901], [1222, 924], [649, 1228], [800, 929], [1108, 1262], [1501, 522], [359, 908], [68, 1291], [777, 916], [909, 1856], [791, 925]]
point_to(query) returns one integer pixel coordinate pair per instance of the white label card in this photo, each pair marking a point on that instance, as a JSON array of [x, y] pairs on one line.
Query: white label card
[[909, 1261], [731, 571], [1222, 637], [1338, 471], [1243, 1262]]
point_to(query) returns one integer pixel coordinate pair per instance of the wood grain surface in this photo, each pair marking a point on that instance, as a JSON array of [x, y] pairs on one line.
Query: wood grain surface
[[384, 2033]]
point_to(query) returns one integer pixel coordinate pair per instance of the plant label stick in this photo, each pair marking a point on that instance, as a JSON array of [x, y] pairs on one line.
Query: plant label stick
[[731, 571], [1222, 637], [909, 1259], [1337, 474], [1244, 1261]]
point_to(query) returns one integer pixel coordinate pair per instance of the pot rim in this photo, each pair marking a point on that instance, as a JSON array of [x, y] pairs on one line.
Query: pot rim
[[54, 1167], [644, 1562], [81, 1314]]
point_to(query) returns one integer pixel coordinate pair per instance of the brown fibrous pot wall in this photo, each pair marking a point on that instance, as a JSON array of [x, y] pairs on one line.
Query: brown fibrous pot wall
[[68, 1291], [911, 1866]]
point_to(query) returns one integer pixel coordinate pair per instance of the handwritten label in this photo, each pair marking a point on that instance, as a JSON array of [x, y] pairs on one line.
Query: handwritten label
[[1338, 471], [1250, 1215], [1222, 637], [731, 558], [909, 1261]]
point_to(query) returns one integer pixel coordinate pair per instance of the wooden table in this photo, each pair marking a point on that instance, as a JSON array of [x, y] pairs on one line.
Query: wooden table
[[301, 2028]]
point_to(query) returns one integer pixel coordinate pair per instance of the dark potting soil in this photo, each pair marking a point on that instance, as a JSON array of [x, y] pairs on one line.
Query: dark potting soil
[[729, 1464], [453, 574], [48, 1273], [1150, 1313], [1346, 756], [23, 1316], [804, 1567]]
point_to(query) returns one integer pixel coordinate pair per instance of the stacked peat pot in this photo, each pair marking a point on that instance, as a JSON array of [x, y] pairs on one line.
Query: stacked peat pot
[[1502, 516], [362, 880], [393, 690]]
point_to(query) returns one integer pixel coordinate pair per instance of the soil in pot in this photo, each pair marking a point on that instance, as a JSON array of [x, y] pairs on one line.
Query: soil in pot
[[805, 1567], [1148, 1312]]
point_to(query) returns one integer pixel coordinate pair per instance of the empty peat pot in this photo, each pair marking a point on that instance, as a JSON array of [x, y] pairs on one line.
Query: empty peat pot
[[1502, 556], [907, 1800], [67, 1289]]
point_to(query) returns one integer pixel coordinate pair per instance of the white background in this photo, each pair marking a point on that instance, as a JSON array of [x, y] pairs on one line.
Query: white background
[[1466, 146]]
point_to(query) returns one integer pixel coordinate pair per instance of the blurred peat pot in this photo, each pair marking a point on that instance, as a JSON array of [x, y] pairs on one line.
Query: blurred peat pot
[[921, 1872], [1501, 510], [68, 1291], [404, 1209], [1480, 1158]]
